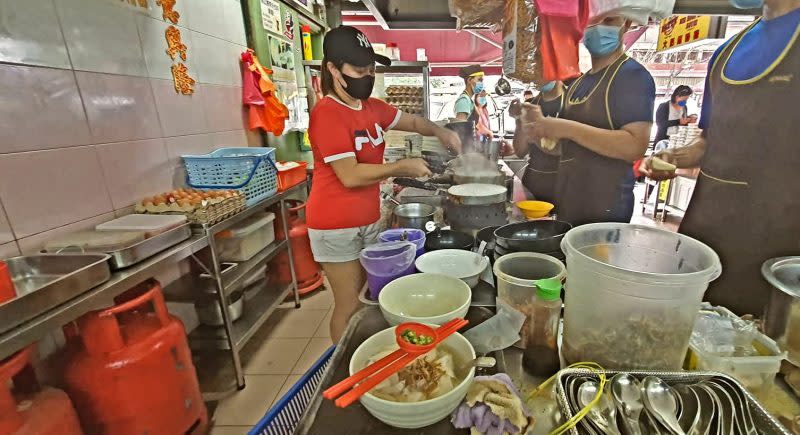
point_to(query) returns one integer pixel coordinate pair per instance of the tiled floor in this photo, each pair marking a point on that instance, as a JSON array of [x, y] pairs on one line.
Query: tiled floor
[[291, 341]]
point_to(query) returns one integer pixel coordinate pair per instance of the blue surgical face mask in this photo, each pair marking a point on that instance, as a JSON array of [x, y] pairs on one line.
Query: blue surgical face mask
[[682, 103], [601, 39], [747, 4], [482, 101], [549, 86], [478, 88]]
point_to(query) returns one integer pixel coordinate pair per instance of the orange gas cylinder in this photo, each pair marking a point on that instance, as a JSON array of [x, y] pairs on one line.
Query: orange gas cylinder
[[306, 269], [47, 411], [130, 370]]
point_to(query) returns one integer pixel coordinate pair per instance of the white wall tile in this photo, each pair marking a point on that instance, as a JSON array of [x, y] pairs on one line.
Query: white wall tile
[[101, 37], [182, 145], [42, 190], [6, 235], [133, 170], [8, 250], [179, 114], [40, 108], [154, 45], [155, 11], [235, 138], [31, 34], [215, 59], [119, 107], [234, 22], [223, 107], [35, 243], [205, 16]]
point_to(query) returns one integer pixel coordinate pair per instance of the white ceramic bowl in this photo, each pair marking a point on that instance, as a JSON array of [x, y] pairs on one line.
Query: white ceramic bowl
[[464, 265], [417, 414], [424, 298]]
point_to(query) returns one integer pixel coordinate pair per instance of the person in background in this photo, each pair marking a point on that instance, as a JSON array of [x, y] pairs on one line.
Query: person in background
[[483, 128], [541, 173], [746, 203], [346, 130], [670, 114], [473, 85], [605, 126]]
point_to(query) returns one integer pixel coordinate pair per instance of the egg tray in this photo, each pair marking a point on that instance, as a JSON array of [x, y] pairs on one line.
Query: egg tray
[[199, 215]]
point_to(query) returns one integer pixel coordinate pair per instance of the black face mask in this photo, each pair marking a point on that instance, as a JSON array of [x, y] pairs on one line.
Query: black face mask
[[360, 88]]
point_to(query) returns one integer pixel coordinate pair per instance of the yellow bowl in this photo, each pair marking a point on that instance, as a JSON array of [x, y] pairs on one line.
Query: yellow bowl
[[535, 209]]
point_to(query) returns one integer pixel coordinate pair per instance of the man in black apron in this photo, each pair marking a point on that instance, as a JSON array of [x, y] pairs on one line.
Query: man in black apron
[[541, 173], [604, 128], [746, 204]]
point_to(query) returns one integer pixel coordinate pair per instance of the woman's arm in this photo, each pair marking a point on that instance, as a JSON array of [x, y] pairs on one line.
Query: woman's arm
[[353, 174], [418, 124]]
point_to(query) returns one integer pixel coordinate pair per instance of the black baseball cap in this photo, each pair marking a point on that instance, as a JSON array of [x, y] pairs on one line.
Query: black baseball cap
[[348, 44], [469, 71]]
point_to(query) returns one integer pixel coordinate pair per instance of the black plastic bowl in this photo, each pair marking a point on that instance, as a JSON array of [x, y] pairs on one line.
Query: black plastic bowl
[[532, 236], [448, 239]]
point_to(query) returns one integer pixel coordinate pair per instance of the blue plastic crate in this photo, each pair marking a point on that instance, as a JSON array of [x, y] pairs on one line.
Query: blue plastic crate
[[282, 419], [252, 171]]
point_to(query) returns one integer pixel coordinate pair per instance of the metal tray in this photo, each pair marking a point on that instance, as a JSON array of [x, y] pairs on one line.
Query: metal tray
[[45, 281], [766, 424], [130, 255]]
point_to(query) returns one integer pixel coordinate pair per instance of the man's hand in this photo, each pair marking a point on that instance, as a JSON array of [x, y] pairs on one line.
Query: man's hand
[[647, 169], [449, 139], [515, 109], [536, 125], [414, 168]]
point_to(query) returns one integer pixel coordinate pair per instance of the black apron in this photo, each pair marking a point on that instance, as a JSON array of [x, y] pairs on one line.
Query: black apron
[[593, 187], [541, 174], [746, 204]]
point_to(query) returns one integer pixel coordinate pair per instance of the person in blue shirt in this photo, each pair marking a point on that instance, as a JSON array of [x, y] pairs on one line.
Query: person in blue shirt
[[605, 126], [473, 85], [746, 204]]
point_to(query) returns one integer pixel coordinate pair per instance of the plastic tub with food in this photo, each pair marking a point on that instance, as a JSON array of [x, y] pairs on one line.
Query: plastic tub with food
[[633, 294], [424, 298], [400, 402], [248, 238]]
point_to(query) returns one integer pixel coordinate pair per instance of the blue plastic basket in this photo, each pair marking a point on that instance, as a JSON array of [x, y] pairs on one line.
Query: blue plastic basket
[[282, 419], [250, 170]]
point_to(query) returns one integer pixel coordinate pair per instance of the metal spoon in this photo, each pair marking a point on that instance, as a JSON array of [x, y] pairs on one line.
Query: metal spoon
[[627, 394], [705, 410], [603, 414], [690, 414], [658, 399]]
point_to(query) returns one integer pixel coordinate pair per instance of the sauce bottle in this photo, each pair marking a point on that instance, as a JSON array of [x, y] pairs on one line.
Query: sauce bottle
[[540, 357]]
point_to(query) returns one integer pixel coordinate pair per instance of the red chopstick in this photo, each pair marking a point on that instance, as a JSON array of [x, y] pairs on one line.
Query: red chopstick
[[346, 384], [353, 395]]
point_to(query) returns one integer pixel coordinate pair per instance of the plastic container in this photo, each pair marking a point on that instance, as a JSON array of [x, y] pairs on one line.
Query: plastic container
[[149, 224], [250, 170], [633, 295], [248, 238], [288, 177], [413, 235], [94, 241], [392, 51], [516, 274], [541, 342], [386, 262], [756, 373]]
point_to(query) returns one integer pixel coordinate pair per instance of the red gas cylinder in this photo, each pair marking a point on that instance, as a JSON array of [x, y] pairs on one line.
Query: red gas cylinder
[[47, 411], [307, 271], [130, 370]]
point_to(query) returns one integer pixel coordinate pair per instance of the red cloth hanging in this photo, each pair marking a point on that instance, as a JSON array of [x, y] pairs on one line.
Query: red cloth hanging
[[560, 36], [266, 111]]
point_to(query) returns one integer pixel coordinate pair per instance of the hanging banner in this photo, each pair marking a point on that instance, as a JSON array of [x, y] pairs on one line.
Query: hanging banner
[[680, 30], [271, 16]]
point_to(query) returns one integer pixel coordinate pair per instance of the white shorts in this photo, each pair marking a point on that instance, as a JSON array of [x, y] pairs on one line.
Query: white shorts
[[342, 245]]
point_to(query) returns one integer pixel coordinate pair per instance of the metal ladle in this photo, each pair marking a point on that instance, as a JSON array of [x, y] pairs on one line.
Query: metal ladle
[[659, 400], [603, 414], [627, 393]]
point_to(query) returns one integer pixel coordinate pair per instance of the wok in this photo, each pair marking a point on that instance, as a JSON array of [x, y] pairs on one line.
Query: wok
[[533, 236], [486, 235], [448, 239]]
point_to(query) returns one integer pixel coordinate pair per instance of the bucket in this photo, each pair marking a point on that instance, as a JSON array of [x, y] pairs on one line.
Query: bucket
[[515, 275], [633, 295], [413, 235], [386, 262]]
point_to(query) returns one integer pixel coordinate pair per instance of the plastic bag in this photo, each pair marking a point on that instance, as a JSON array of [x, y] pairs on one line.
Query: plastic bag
[[477, 13], [557, 8], [721, 334], [521, 39], [498, 332], [638, 11]]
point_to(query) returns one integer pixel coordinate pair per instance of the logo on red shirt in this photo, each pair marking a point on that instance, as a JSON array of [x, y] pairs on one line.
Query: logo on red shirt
[[363, 137]]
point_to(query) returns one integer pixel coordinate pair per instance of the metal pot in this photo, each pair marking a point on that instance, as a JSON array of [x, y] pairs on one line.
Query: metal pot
[[532, 236], [782, 318], [208, 311], [413, 215]]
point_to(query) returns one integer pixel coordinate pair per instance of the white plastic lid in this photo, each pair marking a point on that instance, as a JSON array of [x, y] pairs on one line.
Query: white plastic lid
[[143, 222], [249, 225]]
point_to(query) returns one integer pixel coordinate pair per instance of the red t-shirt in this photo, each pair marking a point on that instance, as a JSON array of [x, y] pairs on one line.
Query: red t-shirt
[[337, 131]]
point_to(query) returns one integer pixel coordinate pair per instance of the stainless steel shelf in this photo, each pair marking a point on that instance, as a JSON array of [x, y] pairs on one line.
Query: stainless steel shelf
[[256, 312], [99, 297], [245, 267], [249, 211]]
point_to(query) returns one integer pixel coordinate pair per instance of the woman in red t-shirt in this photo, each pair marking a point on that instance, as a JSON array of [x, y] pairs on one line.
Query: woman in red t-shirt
[[346, 131]]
